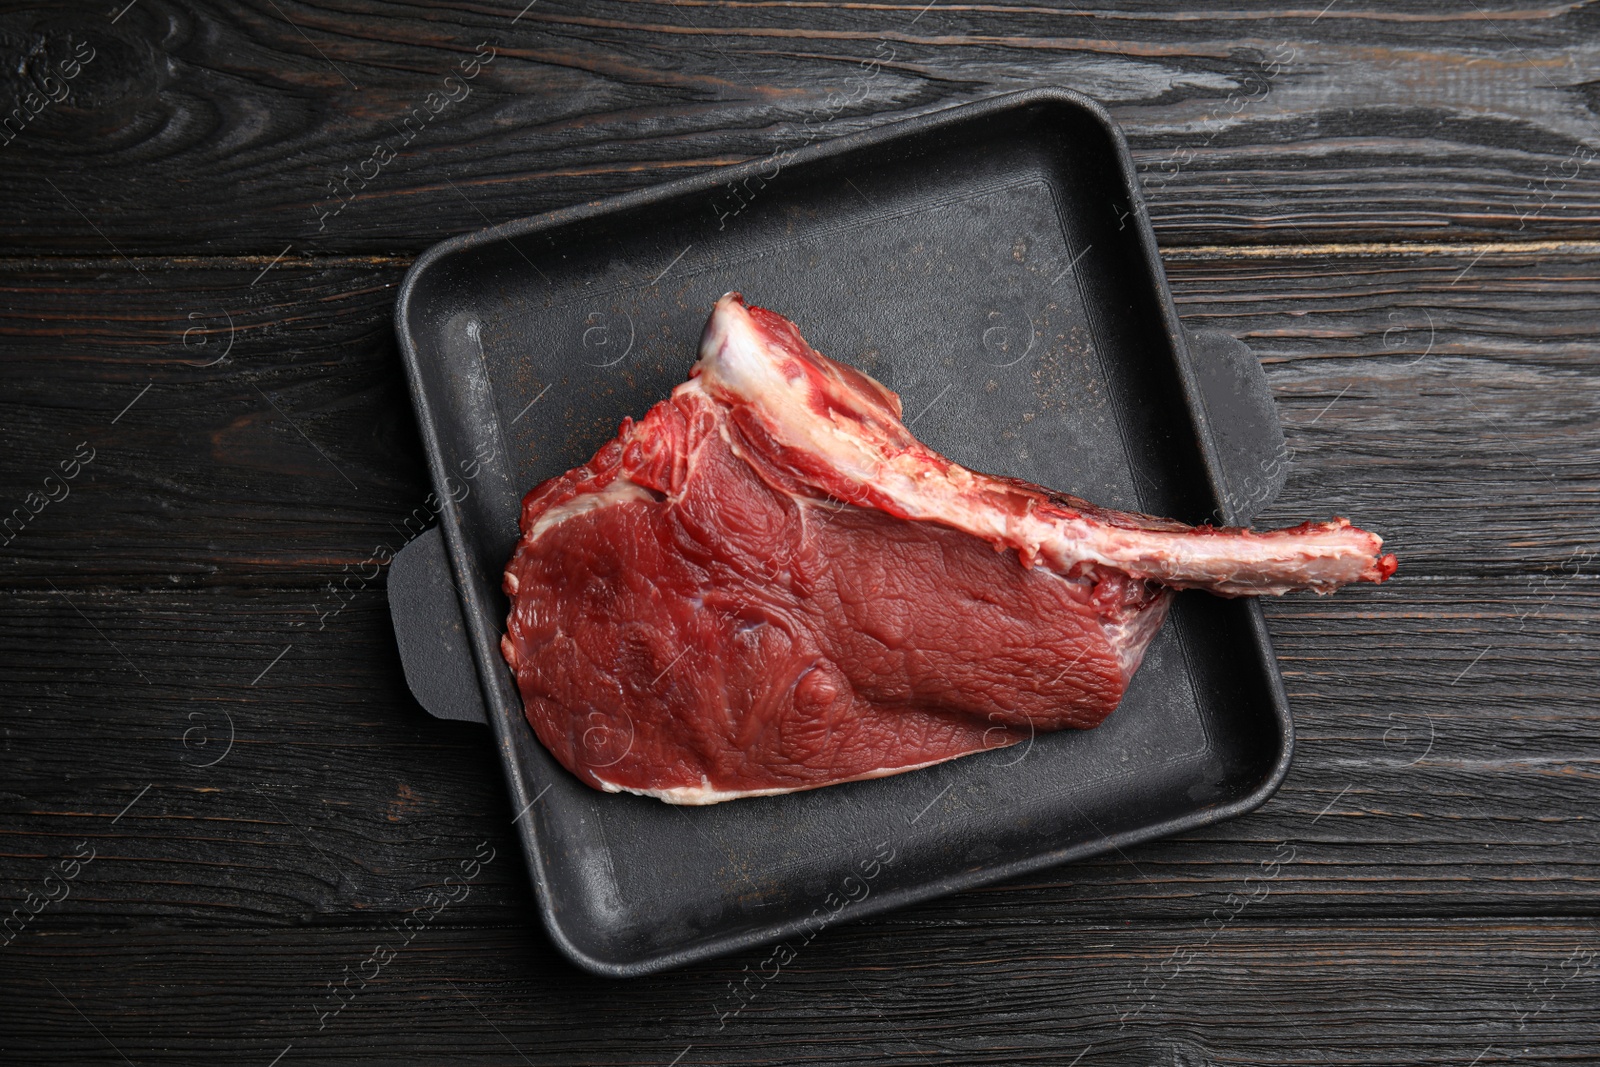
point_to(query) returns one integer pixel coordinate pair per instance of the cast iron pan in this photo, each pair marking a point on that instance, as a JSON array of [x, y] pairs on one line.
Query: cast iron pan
[[993, 264]]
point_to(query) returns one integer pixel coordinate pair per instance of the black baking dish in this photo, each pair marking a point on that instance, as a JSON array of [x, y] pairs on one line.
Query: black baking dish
[[992, 263]]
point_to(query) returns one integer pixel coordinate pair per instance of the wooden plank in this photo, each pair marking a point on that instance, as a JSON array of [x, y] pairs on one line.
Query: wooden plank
[[228, 760], [238, 421], [1327, 993], [1445, 766], [1434, 400], [314, 128], [1414, 390]]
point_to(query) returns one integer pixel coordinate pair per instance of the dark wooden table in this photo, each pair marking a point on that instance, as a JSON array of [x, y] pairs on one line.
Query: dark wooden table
[[206, 428]]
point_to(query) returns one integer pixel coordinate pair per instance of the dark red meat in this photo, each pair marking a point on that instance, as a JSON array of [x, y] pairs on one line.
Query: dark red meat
[[767, 584]]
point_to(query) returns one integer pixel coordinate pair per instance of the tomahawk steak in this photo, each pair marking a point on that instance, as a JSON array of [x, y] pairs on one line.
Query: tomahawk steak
[[768, 584]]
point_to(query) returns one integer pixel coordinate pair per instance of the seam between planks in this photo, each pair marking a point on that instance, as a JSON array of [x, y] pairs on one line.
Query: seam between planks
[[1348, 249], [1368, 249], [1376, 923]]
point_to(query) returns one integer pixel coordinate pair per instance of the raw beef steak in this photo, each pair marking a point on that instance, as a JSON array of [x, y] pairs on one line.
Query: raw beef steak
[[767, 584]]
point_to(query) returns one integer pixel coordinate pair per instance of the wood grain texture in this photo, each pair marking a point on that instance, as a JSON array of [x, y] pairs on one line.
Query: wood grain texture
[[225, 129], [1114, 995], [240, 421], [1447, 400], [1438, 401], [1445, 766]]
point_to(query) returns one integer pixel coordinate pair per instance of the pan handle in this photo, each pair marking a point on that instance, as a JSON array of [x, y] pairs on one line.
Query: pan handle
[[430, 631], [1244, 424]]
